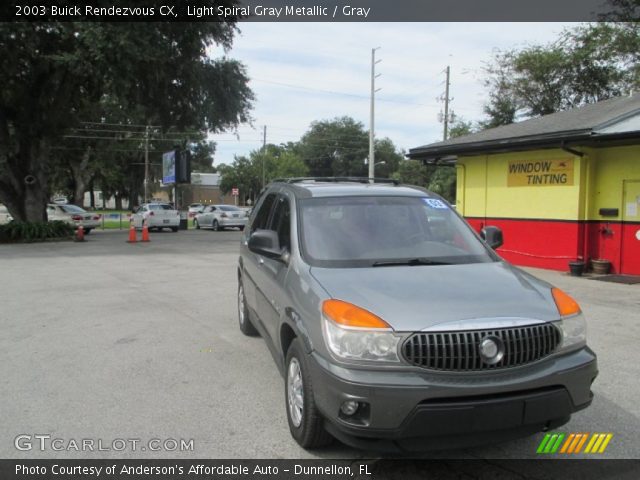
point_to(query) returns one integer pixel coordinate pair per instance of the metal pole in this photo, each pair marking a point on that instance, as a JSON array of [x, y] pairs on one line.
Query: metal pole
[[446, 107], [372, 159], [264, 151], [146, 164]]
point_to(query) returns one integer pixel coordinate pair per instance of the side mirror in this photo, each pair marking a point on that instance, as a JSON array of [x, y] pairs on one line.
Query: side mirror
[[266, 243], [493, 236]]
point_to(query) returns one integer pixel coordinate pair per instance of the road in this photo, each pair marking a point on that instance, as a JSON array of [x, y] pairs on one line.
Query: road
[[107, 340]]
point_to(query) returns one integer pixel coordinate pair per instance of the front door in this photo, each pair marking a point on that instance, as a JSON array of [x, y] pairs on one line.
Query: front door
[[630, 257]]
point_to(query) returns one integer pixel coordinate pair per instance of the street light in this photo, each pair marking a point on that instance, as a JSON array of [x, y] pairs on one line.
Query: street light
[[371, 169]]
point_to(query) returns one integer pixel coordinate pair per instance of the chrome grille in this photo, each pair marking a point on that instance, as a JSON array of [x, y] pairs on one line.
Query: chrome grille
[[460, 350]]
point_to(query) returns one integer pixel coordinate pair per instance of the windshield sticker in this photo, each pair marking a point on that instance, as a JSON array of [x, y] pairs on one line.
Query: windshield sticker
[[435, 203]]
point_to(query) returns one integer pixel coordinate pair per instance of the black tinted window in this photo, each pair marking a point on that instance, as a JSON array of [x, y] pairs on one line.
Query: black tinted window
[[281, 222], [262, 217], [361, 231]]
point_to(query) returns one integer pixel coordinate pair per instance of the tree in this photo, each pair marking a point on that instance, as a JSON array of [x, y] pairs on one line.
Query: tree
[[460, 127], [245, 173], [333, 148], [340, 147], [388, 158], [586, 64], [52, 73], [412, 172]]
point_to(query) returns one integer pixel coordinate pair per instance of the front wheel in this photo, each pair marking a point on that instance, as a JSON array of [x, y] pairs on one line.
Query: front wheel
[[215, 225], [174, 229], [87, 231], [305, 422]]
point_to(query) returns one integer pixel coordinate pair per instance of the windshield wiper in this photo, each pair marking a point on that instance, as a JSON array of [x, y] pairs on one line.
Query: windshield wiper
[[410, 262]]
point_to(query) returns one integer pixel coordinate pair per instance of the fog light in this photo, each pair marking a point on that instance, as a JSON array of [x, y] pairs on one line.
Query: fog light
[[349, 407]]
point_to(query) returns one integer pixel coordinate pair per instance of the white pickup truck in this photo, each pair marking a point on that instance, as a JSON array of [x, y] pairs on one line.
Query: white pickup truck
[[157, 216]]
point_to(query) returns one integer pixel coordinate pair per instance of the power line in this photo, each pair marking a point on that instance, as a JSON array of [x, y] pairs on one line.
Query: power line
[[333, 92]]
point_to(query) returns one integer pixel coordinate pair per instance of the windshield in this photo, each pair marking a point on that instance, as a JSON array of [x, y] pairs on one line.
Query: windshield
[[376, 231]]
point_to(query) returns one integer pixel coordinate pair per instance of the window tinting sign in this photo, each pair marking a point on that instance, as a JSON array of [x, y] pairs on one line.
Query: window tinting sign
[[540, 173]]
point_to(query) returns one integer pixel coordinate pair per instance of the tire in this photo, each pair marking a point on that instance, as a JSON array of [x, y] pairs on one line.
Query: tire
[[241, 229], [305, 422], [174, 229], [196, 224], [87, 231], [215, 225], [246, 326]]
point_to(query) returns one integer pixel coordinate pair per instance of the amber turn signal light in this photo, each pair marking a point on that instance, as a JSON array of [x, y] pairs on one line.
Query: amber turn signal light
[[566, 305], [349, 315]]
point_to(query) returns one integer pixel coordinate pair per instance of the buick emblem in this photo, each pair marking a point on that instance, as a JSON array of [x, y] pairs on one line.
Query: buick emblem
[[491, 350]]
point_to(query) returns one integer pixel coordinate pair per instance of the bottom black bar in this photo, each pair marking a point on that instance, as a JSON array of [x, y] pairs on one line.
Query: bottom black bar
[[320, 469]]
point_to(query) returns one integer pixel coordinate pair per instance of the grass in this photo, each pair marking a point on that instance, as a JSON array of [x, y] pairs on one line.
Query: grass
[[111, 220]]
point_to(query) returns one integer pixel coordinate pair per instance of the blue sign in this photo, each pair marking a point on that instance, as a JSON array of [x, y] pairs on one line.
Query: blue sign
[[169, 167]]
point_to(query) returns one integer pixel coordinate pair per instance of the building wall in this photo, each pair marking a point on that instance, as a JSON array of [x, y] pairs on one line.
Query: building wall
[[548, 225]]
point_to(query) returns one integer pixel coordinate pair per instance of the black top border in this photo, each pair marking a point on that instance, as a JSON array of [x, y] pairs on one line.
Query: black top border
[[311, 10]]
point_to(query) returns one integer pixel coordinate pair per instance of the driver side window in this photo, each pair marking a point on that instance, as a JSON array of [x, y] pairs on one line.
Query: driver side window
[[262, 216], [281, 222]]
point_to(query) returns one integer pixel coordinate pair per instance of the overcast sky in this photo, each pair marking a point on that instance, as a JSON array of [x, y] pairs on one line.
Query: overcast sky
[[301, 72]]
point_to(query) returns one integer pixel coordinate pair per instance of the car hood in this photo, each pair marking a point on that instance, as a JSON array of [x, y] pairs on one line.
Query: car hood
[[413, 298]]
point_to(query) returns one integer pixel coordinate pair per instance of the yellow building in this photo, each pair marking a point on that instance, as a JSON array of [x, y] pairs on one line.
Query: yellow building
[[562, 187]]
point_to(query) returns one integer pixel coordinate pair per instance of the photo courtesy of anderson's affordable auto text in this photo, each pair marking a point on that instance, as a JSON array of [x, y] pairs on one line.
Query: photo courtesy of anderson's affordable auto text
[[295, 239]]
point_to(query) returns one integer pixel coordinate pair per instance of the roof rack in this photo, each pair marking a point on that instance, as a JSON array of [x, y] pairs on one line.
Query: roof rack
[[337, 180]]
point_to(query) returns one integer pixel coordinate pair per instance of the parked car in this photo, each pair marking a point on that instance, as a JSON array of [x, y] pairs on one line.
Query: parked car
[[5, 216], [219, 217], [73, 215], [157, 216], [397, 327], [196, 208]]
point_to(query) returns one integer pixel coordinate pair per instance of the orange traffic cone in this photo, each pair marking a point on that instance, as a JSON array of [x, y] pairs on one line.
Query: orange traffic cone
[[79, 234], [145, 232], [132, 234]]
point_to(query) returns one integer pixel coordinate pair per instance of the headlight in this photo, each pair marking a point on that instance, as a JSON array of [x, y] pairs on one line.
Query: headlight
[[572, 323], [574, 333], [352, 333]]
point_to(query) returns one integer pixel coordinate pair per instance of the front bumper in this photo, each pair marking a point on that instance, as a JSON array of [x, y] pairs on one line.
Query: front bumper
[[412, 410]]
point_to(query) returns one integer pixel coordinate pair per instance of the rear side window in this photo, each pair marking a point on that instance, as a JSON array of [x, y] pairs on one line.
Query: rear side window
[[160, 206], [262, 216]]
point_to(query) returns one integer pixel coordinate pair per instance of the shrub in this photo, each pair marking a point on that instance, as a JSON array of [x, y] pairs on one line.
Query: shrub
[[34, 231]]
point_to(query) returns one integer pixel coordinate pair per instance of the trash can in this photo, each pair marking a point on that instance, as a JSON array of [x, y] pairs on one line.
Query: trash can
[[184, 220]]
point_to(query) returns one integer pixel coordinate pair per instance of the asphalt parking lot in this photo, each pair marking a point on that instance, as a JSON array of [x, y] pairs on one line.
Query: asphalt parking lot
[[109, 340]]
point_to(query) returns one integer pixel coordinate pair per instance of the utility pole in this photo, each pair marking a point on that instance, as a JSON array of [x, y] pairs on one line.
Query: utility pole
[[264, 152], [146, 164], [447, 117], [372, 159]]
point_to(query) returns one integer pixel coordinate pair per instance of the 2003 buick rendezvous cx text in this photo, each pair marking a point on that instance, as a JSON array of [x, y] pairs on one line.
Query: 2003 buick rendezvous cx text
[[397, 327]]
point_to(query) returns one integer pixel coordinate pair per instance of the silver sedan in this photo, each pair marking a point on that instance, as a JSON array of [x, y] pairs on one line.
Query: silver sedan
[[73, 215], [219, 217]]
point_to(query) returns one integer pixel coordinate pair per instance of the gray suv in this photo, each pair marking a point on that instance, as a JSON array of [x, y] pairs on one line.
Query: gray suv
[[397, 327]]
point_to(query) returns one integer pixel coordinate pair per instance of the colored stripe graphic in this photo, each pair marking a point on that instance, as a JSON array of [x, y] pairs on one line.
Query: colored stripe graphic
[[573, 443]]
